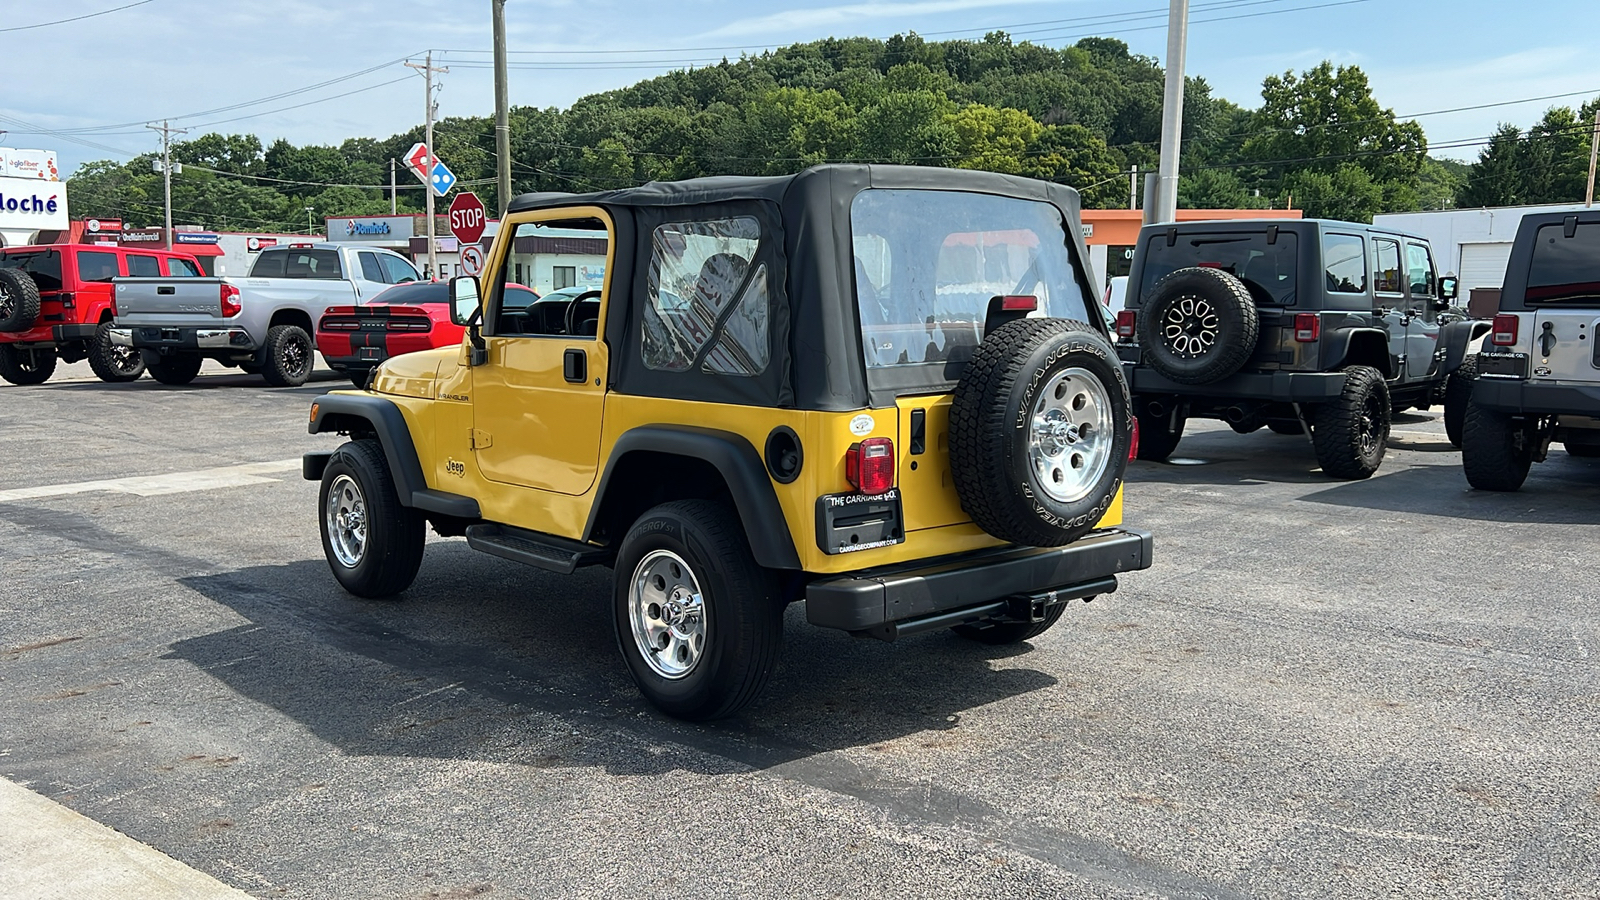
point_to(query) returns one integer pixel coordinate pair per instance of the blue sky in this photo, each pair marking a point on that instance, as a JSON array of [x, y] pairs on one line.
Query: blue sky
[[109, 73]]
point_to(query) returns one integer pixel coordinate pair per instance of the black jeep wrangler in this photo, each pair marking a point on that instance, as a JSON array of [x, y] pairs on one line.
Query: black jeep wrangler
[[1306, 327]]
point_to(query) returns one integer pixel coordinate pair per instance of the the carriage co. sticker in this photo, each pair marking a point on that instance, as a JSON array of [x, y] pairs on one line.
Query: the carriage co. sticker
[[862, 425]]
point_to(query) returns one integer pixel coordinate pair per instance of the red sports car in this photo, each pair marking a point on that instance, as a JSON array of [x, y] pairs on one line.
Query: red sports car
[[403, 319]]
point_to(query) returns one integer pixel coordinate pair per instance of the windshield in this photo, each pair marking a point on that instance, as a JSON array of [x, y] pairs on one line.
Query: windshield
[[927, 263], [1268, 270], [1565, 269], [45, 267]]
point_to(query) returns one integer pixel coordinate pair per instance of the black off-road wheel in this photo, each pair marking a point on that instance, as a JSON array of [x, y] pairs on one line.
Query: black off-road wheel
[[178, 369], [1159, 435], [290, 354], [1351, 433], [1011, 632], [1496, 449], [698, 620], [373, 544], [111, 363], [26, 366], [1039, 431], [1199, 326], [19, 300], [1457, 394]]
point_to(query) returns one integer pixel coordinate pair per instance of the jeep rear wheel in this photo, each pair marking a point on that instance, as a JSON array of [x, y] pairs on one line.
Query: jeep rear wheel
[[26, 366], [1351, 433], [1159, 434], [1496, 449], [374, 545], [19, 300], [1457, 393], [1039, 432], [698, 621], [290, 356], [1199, 325], [177, 370], [110, 362]]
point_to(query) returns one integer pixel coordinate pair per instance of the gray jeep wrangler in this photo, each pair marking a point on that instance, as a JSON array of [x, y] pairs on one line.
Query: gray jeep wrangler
[[1309, 327], [1539, 375]]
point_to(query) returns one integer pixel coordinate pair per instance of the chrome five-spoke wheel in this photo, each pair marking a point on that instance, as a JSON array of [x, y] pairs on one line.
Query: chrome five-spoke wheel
[[347, 521], [1072, 436], [668, 614]]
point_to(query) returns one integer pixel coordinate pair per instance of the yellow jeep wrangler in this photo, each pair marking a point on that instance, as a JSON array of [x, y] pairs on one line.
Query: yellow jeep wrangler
[[886, 391]]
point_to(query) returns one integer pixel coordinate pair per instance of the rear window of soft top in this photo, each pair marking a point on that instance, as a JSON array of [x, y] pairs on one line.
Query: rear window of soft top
[[1565, 269], [43, 265]]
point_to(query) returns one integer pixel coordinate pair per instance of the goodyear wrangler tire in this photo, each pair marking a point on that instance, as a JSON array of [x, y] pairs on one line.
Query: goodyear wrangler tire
[[1200, 325], [19, 300], [1039, 432]]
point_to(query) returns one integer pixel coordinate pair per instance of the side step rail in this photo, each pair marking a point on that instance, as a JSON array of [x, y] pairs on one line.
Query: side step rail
[[544, 551]]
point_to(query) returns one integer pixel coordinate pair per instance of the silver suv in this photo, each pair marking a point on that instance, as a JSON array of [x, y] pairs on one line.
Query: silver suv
[[1539, 375]]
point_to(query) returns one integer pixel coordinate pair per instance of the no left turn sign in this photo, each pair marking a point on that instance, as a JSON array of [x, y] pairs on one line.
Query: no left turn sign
[[472, 260]]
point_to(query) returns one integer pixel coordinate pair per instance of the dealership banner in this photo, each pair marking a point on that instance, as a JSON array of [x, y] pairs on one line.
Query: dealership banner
[[28, 204]]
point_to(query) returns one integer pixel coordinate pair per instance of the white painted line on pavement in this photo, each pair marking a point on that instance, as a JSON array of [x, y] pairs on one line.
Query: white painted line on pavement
[[156, 485], [53, 853]]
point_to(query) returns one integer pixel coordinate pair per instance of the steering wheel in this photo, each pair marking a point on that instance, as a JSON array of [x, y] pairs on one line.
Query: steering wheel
[[572, 309]]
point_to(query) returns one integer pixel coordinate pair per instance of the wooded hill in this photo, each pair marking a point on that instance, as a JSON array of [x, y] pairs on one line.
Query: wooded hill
[[1079, 115]]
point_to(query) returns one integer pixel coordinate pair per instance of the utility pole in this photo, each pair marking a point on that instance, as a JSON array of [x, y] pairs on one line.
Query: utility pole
[[428, 69], [1172, 113], [502, 112], [393, 204], [311, 229], [1133, 187], [1594, 152], [166, 170]]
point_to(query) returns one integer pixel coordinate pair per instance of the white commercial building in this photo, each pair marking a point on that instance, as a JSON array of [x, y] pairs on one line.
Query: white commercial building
[[33, 198], [1475, 244]]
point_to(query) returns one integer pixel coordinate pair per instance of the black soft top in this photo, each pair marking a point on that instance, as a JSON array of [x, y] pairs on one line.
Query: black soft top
[[817, 361], [1514, 293]]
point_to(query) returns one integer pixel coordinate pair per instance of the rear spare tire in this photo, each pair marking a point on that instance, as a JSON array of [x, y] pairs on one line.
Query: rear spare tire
[[1199, 325], [19, 300], [1039, 431]]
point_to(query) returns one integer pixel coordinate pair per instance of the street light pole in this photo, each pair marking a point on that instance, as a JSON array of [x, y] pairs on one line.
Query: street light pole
[[1166, 206], [310, 228], [502, 111]]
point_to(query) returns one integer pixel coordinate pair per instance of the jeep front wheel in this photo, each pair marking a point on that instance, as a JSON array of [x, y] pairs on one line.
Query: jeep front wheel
[[26, 366], [1351, 433], [111, 363], [698, 620], [373, 544], [1496, 449]]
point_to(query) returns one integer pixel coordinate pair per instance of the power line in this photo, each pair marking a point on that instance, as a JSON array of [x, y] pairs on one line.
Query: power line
[[92, 15]]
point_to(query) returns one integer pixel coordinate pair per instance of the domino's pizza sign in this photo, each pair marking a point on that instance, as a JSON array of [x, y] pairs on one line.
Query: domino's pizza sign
[[33, 204]]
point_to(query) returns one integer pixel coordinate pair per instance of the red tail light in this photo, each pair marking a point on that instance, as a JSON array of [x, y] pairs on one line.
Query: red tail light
[[1307, 327], [230, 301], [870, 465], [409, 318], [1504, 331], [1125, 322], [1133, 440], [1019, 303]]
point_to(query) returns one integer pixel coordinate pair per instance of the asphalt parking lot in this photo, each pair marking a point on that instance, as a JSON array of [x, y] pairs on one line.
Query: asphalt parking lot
[[1321, 689]]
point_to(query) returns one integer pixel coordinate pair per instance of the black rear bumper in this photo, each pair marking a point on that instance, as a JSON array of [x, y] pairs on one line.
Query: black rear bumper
[[1515, 395], [898, 600], [1279, 387], [66, 334]]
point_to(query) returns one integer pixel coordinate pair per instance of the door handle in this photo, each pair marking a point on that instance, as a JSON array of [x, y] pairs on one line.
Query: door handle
[[1547, 340], [575, 366]]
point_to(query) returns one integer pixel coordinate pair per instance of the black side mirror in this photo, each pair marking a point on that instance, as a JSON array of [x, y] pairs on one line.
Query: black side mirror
[[1449, 288]]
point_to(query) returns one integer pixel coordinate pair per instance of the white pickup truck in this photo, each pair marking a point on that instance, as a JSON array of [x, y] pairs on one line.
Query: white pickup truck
[[262, 323]]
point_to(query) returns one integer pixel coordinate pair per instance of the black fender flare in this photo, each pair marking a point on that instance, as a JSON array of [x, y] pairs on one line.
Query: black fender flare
[[741, 467], [357, 413], [1337, 344], [1456, 337]]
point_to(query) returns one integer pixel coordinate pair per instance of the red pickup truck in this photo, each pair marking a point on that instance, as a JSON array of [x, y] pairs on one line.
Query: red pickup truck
[[56, 303]]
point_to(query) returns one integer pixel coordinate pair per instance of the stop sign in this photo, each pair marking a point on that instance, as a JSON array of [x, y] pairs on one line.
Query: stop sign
[[467, 218]]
